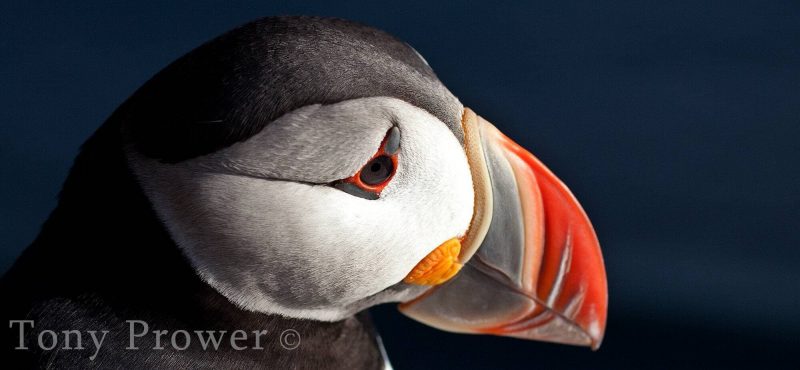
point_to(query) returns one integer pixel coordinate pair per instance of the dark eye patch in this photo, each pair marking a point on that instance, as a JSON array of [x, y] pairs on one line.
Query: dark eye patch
[[354, 190], [392, 141]]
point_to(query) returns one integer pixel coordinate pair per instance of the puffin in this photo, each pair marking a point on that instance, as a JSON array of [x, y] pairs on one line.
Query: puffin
[[269, 187]]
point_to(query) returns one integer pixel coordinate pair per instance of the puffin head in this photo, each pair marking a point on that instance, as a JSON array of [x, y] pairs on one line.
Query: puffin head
[[314, 167]]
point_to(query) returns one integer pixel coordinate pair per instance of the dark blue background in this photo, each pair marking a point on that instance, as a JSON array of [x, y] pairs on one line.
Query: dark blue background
[[676, 124]]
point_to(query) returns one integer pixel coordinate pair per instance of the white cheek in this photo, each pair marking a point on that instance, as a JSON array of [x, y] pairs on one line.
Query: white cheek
[[313, 251], [346, 248], [432, 191], [429, 200]]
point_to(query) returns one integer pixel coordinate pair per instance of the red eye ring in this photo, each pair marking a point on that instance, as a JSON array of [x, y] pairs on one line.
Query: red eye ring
[[376, 174]]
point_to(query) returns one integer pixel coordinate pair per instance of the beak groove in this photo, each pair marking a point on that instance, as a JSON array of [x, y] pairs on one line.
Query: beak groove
[[532, 263]]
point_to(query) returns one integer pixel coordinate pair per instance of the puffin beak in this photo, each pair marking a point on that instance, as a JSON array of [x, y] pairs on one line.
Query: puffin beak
[[530, 264]]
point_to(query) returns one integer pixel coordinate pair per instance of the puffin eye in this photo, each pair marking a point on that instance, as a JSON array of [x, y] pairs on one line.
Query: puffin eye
[[377, 170], [370, 180]]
